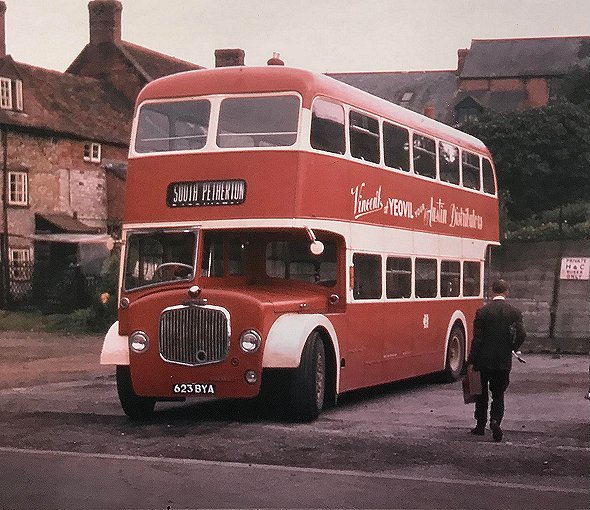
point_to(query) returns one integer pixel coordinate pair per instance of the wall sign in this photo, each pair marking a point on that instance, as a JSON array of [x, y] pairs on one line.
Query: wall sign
[[202, 193], [575, 268]]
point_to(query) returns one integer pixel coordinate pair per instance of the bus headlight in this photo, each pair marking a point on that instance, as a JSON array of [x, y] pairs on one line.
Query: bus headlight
[[139, 342], [250, 340]]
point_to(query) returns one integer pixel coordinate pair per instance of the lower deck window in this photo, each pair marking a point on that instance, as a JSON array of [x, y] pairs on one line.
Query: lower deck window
[[293, 260], [450, 278], [398, 278], [471, 278], [426, 278], [367, 276]]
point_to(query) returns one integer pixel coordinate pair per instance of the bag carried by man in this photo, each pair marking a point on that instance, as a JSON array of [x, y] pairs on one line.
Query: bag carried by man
[[471, 385]]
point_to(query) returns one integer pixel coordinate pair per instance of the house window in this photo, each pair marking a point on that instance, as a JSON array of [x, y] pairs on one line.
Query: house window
[[5, 93], [92, 152], [11, 94], [20, 261], [18, 189]]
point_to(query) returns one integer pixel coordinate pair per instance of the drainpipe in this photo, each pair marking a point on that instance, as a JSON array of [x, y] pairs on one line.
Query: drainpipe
[[5, 297]]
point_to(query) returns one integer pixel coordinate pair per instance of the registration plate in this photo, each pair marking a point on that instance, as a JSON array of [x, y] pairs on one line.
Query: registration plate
[[193, 389]]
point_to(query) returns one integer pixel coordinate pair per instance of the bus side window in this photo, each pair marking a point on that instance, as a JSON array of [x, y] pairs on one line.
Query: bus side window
[[327, 127], [448, 163], [471, 278], [470, 166], [489, 185], [426, 278], [424, 156], [396, 147], [398, 282], [364, 137], [450, 278], [367, 276]]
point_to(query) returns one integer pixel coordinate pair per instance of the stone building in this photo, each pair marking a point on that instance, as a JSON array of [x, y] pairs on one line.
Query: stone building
[[64, 140]]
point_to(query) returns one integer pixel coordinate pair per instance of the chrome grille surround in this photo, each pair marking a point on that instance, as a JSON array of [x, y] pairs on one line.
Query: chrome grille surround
[[194, 335]]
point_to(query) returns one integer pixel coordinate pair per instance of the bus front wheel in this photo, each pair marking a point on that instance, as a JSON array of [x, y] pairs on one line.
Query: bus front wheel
[[134, 406], [308, 385], [455, 357]]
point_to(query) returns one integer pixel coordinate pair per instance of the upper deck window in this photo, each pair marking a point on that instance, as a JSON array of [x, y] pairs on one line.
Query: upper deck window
[[489, 185], [424, 156], [448, 162], [327, 127], [172, 126], [364, 137], [261, 121], [396, 147], [470, 170]]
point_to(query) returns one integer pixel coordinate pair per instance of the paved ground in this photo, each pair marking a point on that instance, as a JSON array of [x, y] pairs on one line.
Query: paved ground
[[62, 424], [29, 358]]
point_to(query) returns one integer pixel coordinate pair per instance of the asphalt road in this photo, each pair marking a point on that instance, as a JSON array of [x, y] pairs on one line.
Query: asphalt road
[[65, 443]]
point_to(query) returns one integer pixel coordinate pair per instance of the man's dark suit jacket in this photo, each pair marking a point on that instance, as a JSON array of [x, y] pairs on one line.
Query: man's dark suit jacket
[[497, 331]]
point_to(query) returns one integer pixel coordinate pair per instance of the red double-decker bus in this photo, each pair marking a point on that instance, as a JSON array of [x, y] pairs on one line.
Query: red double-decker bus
[[288, 234]]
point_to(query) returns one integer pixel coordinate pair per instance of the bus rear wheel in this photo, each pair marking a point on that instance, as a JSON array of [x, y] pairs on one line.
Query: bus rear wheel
[[308, 385], [134, 406], [455, 357]]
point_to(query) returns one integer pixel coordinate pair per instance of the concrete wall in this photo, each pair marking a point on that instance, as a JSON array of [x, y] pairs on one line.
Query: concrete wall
[[533, 272]]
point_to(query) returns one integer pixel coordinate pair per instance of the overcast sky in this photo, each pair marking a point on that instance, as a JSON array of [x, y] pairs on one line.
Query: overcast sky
[[319, 35]]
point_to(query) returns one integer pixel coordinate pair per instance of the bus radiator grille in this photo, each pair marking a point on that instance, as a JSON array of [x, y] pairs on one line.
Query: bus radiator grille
[[193, 335]]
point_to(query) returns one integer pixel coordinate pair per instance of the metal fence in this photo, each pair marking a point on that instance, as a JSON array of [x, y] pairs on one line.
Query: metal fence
[[24, 294]]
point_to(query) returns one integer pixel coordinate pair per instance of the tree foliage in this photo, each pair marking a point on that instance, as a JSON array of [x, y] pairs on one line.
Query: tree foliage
[[542, 155]]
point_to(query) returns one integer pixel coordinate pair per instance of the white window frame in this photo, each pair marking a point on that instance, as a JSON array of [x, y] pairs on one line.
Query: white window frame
[[18, 256], [92, 152], [18, 188], [6, 93], [18, 95]]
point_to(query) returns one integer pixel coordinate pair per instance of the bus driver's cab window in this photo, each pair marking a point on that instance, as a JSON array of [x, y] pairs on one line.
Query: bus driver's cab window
[[159, 257]]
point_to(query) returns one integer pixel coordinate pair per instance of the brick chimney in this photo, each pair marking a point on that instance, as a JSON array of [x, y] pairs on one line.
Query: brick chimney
[[429, 110], [229, 57], [105, 21], [461, 56], [2, 29], [275, 60]]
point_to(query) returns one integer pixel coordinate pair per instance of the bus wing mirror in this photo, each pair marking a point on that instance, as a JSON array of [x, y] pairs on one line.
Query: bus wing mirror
[[316, 247]]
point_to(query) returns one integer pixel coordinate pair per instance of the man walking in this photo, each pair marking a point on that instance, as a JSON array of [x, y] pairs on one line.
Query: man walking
[[497, 331]]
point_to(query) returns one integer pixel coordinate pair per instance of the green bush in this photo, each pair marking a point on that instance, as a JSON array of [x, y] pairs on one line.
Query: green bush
[[103, 308]]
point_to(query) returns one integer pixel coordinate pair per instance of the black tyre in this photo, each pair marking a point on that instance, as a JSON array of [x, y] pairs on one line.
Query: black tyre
[[455, 357], [308, 384], [134, 406]]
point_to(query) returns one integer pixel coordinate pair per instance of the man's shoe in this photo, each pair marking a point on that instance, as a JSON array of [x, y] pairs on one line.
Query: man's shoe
[[496, 430], [479, 430]]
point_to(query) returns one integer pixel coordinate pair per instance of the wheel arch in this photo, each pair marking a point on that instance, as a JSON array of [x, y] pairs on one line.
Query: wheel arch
[[115, 347], [286, 339], [457, 319]]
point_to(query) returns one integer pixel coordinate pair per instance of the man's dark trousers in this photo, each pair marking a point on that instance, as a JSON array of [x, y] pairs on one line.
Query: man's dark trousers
[[498, 380]]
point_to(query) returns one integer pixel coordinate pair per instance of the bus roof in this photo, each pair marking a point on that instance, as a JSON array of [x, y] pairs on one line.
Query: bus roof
[[244, 80]]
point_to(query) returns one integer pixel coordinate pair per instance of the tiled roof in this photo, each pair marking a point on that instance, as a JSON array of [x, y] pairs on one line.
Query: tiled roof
[[61, 223], [504, 58], [414, 90], [153, 64], [68, 104]]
